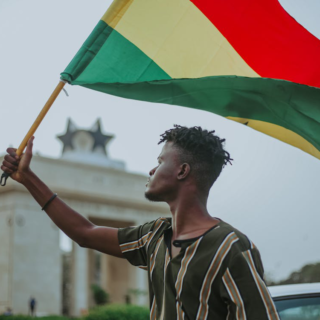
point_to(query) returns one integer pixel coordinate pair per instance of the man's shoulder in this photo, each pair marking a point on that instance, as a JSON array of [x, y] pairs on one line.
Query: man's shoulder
[[151, 226], [161, 223], [225, 230]]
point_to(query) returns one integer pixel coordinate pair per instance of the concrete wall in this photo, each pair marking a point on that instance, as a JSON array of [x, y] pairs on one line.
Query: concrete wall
[[6, 249], [29, 255], [37, 259]]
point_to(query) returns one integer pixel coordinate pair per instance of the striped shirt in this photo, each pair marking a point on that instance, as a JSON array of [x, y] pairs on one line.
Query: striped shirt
[[218, 275]]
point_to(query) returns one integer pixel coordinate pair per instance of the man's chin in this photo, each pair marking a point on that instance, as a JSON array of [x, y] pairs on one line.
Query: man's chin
[[152, 197]]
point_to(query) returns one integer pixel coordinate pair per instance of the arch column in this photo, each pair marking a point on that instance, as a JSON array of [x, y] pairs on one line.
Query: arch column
[[80, 280]]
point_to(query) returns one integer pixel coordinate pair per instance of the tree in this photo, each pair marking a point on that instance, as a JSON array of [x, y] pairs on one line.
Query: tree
[[307, 274], [100, 296]]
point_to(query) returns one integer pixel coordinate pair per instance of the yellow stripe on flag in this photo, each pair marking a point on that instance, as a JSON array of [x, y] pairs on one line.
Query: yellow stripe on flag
[[280, 133], [162, 30], [116, 11]]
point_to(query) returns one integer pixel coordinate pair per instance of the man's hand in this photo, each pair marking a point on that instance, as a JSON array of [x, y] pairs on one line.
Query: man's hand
[[18, 167]]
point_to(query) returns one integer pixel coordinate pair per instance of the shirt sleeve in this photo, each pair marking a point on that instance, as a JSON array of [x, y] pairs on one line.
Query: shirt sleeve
[[134, 242], [244, 289]]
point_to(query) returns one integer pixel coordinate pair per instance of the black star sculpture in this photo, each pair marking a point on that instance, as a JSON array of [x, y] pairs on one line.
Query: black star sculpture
[[100, 139]]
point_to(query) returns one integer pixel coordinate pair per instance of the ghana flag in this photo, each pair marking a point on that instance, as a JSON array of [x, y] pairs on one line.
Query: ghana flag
[[248, 61]]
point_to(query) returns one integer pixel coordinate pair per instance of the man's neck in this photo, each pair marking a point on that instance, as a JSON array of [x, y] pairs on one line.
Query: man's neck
[[190, 217]]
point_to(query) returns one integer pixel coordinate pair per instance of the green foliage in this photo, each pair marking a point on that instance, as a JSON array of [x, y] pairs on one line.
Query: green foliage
[[307, 274], [17, 317], [100, 296], [22, 317], [53, 317], [106, 312], [118, 312]]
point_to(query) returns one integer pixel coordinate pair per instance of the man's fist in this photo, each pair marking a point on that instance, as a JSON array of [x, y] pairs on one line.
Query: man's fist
[[17, 166]]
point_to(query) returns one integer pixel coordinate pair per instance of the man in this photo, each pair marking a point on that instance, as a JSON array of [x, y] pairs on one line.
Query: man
[[199, 267], [8, 312], [32, 306]]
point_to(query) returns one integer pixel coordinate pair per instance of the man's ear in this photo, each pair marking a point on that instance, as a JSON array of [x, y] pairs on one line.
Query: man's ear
[[184, 171]]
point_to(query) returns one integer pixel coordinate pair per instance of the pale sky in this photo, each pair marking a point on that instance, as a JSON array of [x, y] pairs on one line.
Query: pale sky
[[270, 193]]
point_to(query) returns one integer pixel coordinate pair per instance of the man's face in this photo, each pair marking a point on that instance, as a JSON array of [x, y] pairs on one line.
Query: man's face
[[163, 183]]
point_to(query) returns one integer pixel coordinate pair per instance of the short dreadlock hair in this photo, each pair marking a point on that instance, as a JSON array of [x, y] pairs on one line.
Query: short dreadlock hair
[[202, 150]]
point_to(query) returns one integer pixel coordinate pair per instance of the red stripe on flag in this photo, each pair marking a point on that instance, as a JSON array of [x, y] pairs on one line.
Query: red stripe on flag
[[271, 42]]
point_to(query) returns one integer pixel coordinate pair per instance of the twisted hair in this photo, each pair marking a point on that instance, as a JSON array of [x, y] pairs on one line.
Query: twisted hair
[[201, 149]]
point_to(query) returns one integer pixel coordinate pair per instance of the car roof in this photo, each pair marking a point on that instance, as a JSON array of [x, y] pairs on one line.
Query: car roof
[[294, 289]]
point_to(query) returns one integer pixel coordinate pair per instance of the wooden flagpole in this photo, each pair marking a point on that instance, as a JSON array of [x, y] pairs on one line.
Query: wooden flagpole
[[35, 125]]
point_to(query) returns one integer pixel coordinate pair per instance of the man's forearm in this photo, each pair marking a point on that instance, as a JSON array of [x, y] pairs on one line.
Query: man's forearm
[[69, 221]]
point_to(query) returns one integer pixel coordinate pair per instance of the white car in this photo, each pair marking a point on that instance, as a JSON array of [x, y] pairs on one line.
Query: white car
[[297, 301]]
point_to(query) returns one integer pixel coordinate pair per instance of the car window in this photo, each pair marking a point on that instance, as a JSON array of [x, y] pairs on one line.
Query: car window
[[307, 308]]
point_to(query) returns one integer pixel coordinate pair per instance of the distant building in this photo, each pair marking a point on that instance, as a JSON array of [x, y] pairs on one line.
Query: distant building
[[30, 256]]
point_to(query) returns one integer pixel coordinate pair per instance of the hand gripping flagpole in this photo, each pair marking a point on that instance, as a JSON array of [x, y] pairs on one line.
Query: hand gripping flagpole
[[35, 125]]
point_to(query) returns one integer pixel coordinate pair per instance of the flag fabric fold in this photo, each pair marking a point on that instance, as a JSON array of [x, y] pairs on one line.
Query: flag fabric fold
[[250, 62]]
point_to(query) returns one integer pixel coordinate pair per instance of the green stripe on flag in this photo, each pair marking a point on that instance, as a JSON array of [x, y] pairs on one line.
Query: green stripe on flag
[[115, 60], [289, 105], [87, 52]]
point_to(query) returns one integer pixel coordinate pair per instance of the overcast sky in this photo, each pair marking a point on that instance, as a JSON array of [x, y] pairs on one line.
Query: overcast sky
[[272, 190]]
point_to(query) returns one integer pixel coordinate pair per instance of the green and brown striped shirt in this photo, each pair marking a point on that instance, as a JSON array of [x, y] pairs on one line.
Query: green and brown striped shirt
[[218, 275]]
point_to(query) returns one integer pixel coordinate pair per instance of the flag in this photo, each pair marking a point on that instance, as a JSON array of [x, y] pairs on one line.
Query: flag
[[248, 61]]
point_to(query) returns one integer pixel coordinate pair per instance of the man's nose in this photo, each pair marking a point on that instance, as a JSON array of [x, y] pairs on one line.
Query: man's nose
[[152, 171]]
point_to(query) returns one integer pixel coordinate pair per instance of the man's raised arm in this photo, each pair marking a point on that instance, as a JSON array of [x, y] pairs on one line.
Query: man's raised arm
[[73, 224]]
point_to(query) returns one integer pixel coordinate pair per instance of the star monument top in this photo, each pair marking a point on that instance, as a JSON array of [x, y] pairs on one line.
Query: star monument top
[[87, 146]]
